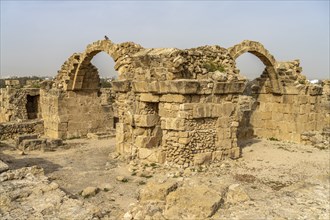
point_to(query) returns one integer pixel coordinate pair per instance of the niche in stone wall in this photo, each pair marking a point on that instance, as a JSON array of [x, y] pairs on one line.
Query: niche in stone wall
[[32, 106]]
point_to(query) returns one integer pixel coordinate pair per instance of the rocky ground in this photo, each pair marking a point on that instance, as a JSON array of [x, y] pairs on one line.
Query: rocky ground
[[85, 179]]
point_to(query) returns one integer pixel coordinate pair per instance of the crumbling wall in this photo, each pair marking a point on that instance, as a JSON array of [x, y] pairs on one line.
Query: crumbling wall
[[13, 104], [11, 130]]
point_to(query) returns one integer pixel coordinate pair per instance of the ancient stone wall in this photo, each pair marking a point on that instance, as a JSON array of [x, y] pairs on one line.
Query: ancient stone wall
[[189, 106], [19, 104], [70, 114], [10, 130]]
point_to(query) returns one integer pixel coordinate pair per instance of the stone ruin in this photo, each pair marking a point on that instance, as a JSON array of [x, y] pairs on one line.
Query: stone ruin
[[183, 107]]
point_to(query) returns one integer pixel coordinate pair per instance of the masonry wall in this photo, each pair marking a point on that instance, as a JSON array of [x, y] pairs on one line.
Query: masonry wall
[[190, 106], [13, 104], [10, 130], [183, 122], [285, 117], [69, 114]]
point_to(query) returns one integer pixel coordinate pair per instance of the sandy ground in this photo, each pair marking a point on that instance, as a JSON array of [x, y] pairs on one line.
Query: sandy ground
[[283, 180]]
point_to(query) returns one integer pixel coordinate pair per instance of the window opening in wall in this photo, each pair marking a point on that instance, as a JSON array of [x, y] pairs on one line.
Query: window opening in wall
[[115, 121], [32, 106]]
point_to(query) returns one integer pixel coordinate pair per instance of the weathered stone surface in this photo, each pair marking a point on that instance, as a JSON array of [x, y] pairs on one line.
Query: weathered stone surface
[[33, 144], [157, 191], [120, 86], [89, 191], [194, 202], [3, 166], [236, 194], [147, 97], [20, 138], [203, 158], [36, 193], [146, 120], [11, 130]]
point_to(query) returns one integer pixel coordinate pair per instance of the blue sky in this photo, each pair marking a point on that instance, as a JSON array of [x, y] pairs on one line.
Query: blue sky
[[37, 37]]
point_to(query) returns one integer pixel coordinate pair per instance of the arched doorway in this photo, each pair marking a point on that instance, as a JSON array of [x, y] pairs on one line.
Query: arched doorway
[[255, 113]]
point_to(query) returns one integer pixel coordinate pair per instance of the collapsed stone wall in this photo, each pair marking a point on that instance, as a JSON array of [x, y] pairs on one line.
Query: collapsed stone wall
[[11, 130], [13, 104]]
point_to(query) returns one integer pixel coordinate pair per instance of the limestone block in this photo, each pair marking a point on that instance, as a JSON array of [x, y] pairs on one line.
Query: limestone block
[[33, 144], [236, 194], [302, 99], [315, 90], [120, 137], [192, 202], [228, 88], [202, 158], [3, 166], [21, 138], [121, 86], [153, 87], [202, 111], [157, 191], [179, 86], [228, 109], [147, 141], [146, 120], [185, 114], [183, 134], [173, 124], [265, 115], [152, 155], [234, 153], [174, 98], [147, 97], [187, 106], [166, 113], [217, 156], [224, 144], [288, 99], [184, 140], [140, 86]]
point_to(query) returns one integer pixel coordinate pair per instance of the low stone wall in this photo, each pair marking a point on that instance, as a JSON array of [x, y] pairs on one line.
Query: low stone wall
[[69, 114], [11, 130]]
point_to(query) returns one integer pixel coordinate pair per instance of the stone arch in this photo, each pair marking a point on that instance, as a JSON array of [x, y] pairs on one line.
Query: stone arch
[[78, 73], [265, 57], [85, 76]]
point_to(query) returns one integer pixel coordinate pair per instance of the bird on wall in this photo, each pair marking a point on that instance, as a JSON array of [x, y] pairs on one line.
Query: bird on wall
[[105, 37]]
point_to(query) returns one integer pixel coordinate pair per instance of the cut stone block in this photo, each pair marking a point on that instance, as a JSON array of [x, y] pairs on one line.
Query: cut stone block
[[146, 120], [21, 138]]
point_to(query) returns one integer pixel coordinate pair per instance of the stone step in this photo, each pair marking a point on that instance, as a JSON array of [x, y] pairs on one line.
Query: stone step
[[101, 135], [21, 138], [43, 144]]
